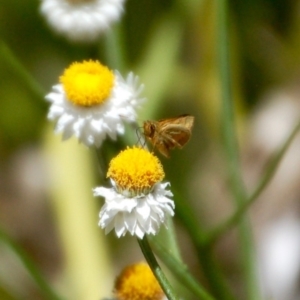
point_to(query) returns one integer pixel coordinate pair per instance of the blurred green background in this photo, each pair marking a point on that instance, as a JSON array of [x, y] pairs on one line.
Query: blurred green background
[[46, 205]]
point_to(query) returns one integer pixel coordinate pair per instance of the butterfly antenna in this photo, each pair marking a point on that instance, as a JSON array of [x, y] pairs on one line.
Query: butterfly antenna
[[141, 140], [138, 134]]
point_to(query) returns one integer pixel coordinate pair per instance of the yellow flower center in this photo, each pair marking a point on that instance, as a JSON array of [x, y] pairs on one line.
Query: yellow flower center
[[135, 170], [137, 282], [88, 83]]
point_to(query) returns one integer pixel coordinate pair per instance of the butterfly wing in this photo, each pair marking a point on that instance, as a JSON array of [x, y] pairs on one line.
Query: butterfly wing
[[168, 134], [178, 131]]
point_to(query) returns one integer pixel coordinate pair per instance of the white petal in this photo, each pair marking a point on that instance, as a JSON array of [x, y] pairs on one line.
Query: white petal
[[63, 121], [109, 227], [139, 232], [130, 222], [92, 125], [120, 228], [143, 210], [138, 216], [82, 22]]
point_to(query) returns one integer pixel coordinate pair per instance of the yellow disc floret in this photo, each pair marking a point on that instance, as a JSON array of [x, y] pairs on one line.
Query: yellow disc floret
[[88, 83], [137, 282], [135, 170]]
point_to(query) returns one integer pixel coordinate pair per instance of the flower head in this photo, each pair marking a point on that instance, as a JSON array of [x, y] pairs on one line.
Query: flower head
[[138, 202], [92, 102], [81, 20], [137, 282]]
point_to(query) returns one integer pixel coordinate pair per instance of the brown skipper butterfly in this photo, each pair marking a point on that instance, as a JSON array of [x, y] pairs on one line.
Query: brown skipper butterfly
[[167, 134]]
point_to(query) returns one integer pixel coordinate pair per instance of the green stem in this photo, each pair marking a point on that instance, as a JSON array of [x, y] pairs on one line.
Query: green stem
[[47, 291], [16, 66], [180, 271], [212, 271], [264, 181], [114, 48], [157, 271], [170, 239], [231, 151]]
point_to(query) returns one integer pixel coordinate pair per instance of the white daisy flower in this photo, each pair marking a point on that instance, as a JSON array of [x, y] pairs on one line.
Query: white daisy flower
[[138, 282], [81, 20], [91, 102], [138, 202]]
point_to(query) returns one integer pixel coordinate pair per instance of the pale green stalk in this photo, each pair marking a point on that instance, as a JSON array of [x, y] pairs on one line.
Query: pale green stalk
[[114, 49], [232, 153], [87, 262], [169, 238]]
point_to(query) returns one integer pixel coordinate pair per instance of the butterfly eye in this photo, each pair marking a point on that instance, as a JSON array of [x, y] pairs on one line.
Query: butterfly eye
[[152, 129]]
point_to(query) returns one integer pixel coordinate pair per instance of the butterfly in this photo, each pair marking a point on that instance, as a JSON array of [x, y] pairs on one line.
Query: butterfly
[[167, 134]]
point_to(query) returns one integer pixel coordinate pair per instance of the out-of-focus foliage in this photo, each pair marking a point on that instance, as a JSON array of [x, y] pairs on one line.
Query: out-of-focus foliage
[[172, 45]]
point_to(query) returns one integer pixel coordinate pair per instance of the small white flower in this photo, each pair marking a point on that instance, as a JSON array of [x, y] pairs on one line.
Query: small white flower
[[138, 202], [81, 20], [92, 103], [139, 215]]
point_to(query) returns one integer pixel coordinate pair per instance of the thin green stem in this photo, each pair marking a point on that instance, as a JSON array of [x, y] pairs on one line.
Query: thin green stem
[[156, 269], [232, 153], [16, 66], [45, 288], [213, 274], [180, 271], [264, 181], [102, 165], [170, 239], [114, 48]]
